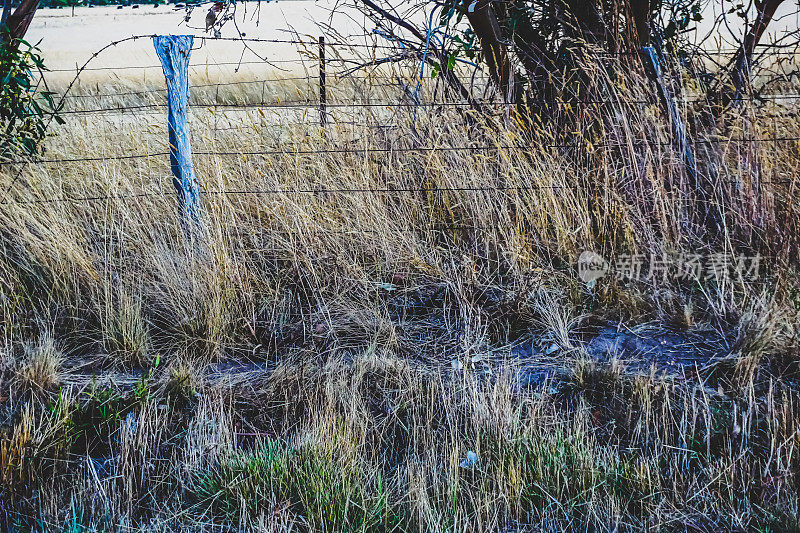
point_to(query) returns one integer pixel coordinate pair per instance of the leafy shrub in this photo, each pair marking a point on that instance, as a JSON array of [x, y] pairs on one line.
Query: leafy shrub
[[24, 108]]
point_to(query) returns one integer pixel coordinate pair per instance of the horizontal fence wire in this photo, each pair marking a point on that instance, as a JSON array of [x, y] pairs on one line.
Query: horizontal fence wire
[[332, 190], [193, 86], [390, 150], [368, 81], [146, 110], [300, 60], [295, 104], [395, 81]]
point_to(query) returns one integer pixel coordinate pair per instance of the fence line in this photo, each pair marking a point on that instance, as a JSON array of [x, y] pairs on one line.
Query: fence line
[[289, 150], [390, 150], [300, 60], [368, 79], [291, 104], [333, 190], [395, 82]]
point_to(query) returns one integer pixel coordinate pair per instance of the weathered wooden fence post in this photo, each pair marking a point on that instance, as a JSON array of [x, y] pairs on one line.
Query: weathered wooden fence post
[[174, 52], [323, 92]]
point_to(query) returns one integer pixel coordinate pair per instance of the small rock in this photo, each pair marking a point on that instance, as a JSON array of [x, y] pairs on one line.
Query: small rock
[[470, 460], [552, 349], [132, 421], [456, 364]]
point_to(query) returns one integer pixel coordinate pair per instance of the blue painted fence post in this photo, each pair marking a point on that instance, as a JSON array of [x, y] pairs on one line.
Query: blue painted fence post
[[174, 51], [679, 135]]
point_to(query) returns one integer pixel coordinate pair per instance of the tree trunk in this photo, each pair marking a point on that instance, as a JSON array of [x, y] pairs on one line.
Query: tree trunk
[[740, 73], [482, 18], [6, 11], [586, 19], [531, 49], [642, 14], [727, 91], [19, 21]]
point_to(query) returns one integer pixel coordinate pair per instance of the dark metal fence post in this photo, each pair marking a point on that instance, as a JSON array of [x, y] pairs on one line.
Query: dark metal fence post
[[679, 133], [174, 52], [680, 137], [323, 96]]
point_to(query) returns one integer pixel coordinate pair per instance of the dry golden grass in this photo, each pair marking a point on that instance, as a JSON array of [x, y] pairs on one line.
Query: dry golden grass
[[299, 372]]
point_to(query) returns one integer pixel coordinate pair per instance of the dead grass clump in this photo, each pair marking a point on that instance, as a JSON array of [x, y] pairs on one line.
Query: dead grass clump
[[34, 445], [125, 331], [40, 365]]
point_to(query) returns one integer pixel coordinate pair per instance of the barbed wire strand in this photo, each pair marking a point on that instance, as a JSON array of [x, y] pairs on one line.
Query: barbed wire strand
[[585, 144]]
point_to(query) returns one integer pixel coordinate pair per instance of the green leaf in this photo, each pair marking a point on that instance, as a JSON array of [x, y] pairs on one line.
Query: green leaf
[[451, 61]]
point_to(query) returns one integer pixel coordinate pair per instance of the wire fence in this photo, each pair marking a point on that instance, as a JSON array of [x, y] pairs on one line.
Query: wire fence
[[352, 91]]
